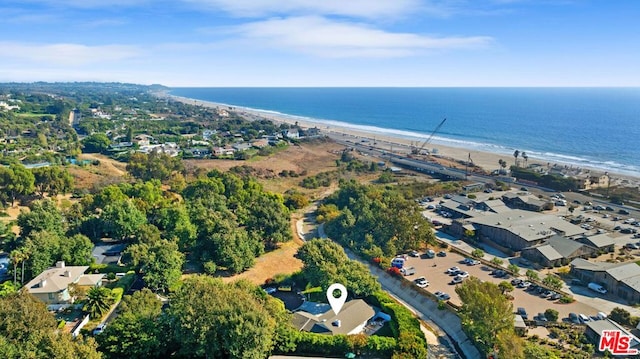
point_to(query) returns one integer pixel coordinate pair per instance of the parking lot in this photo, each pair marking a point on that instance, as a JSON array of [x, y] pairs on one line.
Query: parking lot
[[434, 270]]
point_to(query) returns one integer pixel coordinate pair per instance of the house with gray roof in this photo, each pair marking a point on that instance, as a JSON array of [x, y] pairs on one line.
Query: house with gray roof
[[620, 279], [352, 319], [557, 251], [52, 285]]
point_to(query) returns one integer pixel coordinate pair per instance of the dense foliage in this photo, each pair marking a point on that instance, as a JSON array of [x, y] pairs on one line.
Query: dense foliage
[[28, 330], [487, 318], [376, 221]]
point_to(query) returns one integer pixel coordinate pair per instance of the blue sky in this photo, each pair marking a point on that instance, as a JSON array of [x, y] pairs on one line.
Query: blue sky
[[323, 42]]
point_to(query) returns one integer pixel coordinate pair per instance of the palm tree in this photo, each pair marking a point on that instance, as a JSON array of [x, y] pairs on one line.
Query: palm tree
[[526, 157], [516, 154], [99, 302], [502, 164]]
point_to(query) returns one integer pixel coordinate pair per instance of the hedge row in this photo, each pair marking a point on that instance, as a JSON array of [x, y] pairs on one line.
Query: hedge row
[[322, 344], [405, 327]]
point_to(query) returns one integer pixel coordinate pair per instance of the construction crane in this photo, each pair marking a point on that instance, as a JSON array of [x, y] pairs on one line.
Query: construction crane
[[417, 151]]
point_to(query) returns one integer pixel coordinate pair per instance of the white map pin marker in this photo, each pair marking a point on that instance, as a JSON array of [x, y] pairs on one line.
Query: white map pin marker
[[337, 303]]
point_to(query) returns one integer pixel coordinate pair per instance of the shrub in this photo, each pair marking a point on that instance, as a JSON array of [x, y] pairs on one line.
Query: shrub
[[117, 293], [566, 299], [61, 323], [477, 253], [441, 305], [497, 261], [210, 267], [111, 276], [551, 314], [394, 271]]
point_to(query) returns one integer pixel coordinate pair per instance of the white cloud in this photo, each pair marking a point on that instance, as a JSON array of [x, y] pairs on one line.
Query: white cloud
[[89, 4], [330, 38], [355, 8], [67, 54]]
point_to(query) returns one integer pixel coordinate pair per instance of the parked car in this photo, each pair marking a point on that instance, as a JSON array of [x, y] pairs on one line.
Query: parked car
[[516, 281], [499, 273], [463, 274], [414, 254], [430, 253], [421, 282], [522, 312], [99, 329], [573, 318], [583, 318], [408, 271], [631, 246], [541, 318], [597, 288], [442, 254], [524, 284], [442, 295], [453, 271], [457, 280], [555, 296]]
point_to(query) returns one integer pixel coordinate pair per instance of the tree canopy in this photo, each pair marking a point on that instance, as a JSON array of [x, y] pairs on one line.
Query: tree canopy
[[325, 263], [377, 221], [487, 317], [28, 330]]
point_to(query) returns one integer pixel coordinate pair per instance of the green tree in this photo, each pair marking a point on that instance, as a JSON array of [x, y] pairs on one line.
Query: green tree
[[43, 215], [138, 331], [325, 263], [485, 312], [16, 181], [158, 166], [42, 249], [28, 330], [96, 143], [122, 220], [514, 268], [76, 250], [497, 261], [477, 253], [221, 320], [160, 263], [7, 288], [532, 275], [53, 180], [552, 281], [99, 302], [620, 315], [505, 287], [551, 314]]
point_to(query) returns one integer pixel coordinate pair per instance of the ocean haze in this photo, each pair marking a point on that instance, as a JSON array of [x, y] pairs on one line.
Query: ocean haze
[[596, 127]]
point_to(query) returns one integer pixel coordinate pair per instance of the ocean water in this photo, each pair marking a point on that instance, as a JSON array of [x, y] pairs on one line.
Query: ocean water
[[596, 127]]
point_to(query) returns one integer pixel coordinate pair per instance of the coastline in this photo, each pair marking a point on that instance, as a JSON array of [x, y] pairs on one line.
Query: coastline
[[394, 142]]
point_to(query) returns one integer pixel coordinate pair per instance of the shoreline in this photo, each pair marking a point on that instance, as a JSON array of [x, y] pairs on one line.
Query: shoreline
[[487, 160]]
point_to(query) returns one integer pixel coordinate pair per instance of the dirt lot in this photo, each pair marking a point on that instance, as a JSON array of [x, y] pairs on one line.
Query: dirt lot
[[440, 281], [86, 177]]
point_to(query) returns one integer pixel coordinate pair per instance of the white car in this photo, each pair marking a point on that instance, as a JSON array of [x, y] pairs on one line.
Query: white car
[[99, 329], [442, 295], [421, 282], [457, 280], [453, 271], [463, 274], [524, 284]]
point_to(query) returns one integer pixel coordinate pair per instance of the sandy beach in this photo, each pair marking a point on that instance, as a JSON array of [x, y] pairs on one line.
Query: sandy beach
[[485, 160]]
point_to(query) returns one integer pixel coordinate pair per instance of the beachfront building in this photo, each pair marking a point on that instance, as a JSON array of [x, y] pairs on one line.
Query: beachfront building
[[52, 285], [589, 181], [620, 279], [320, 318]]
